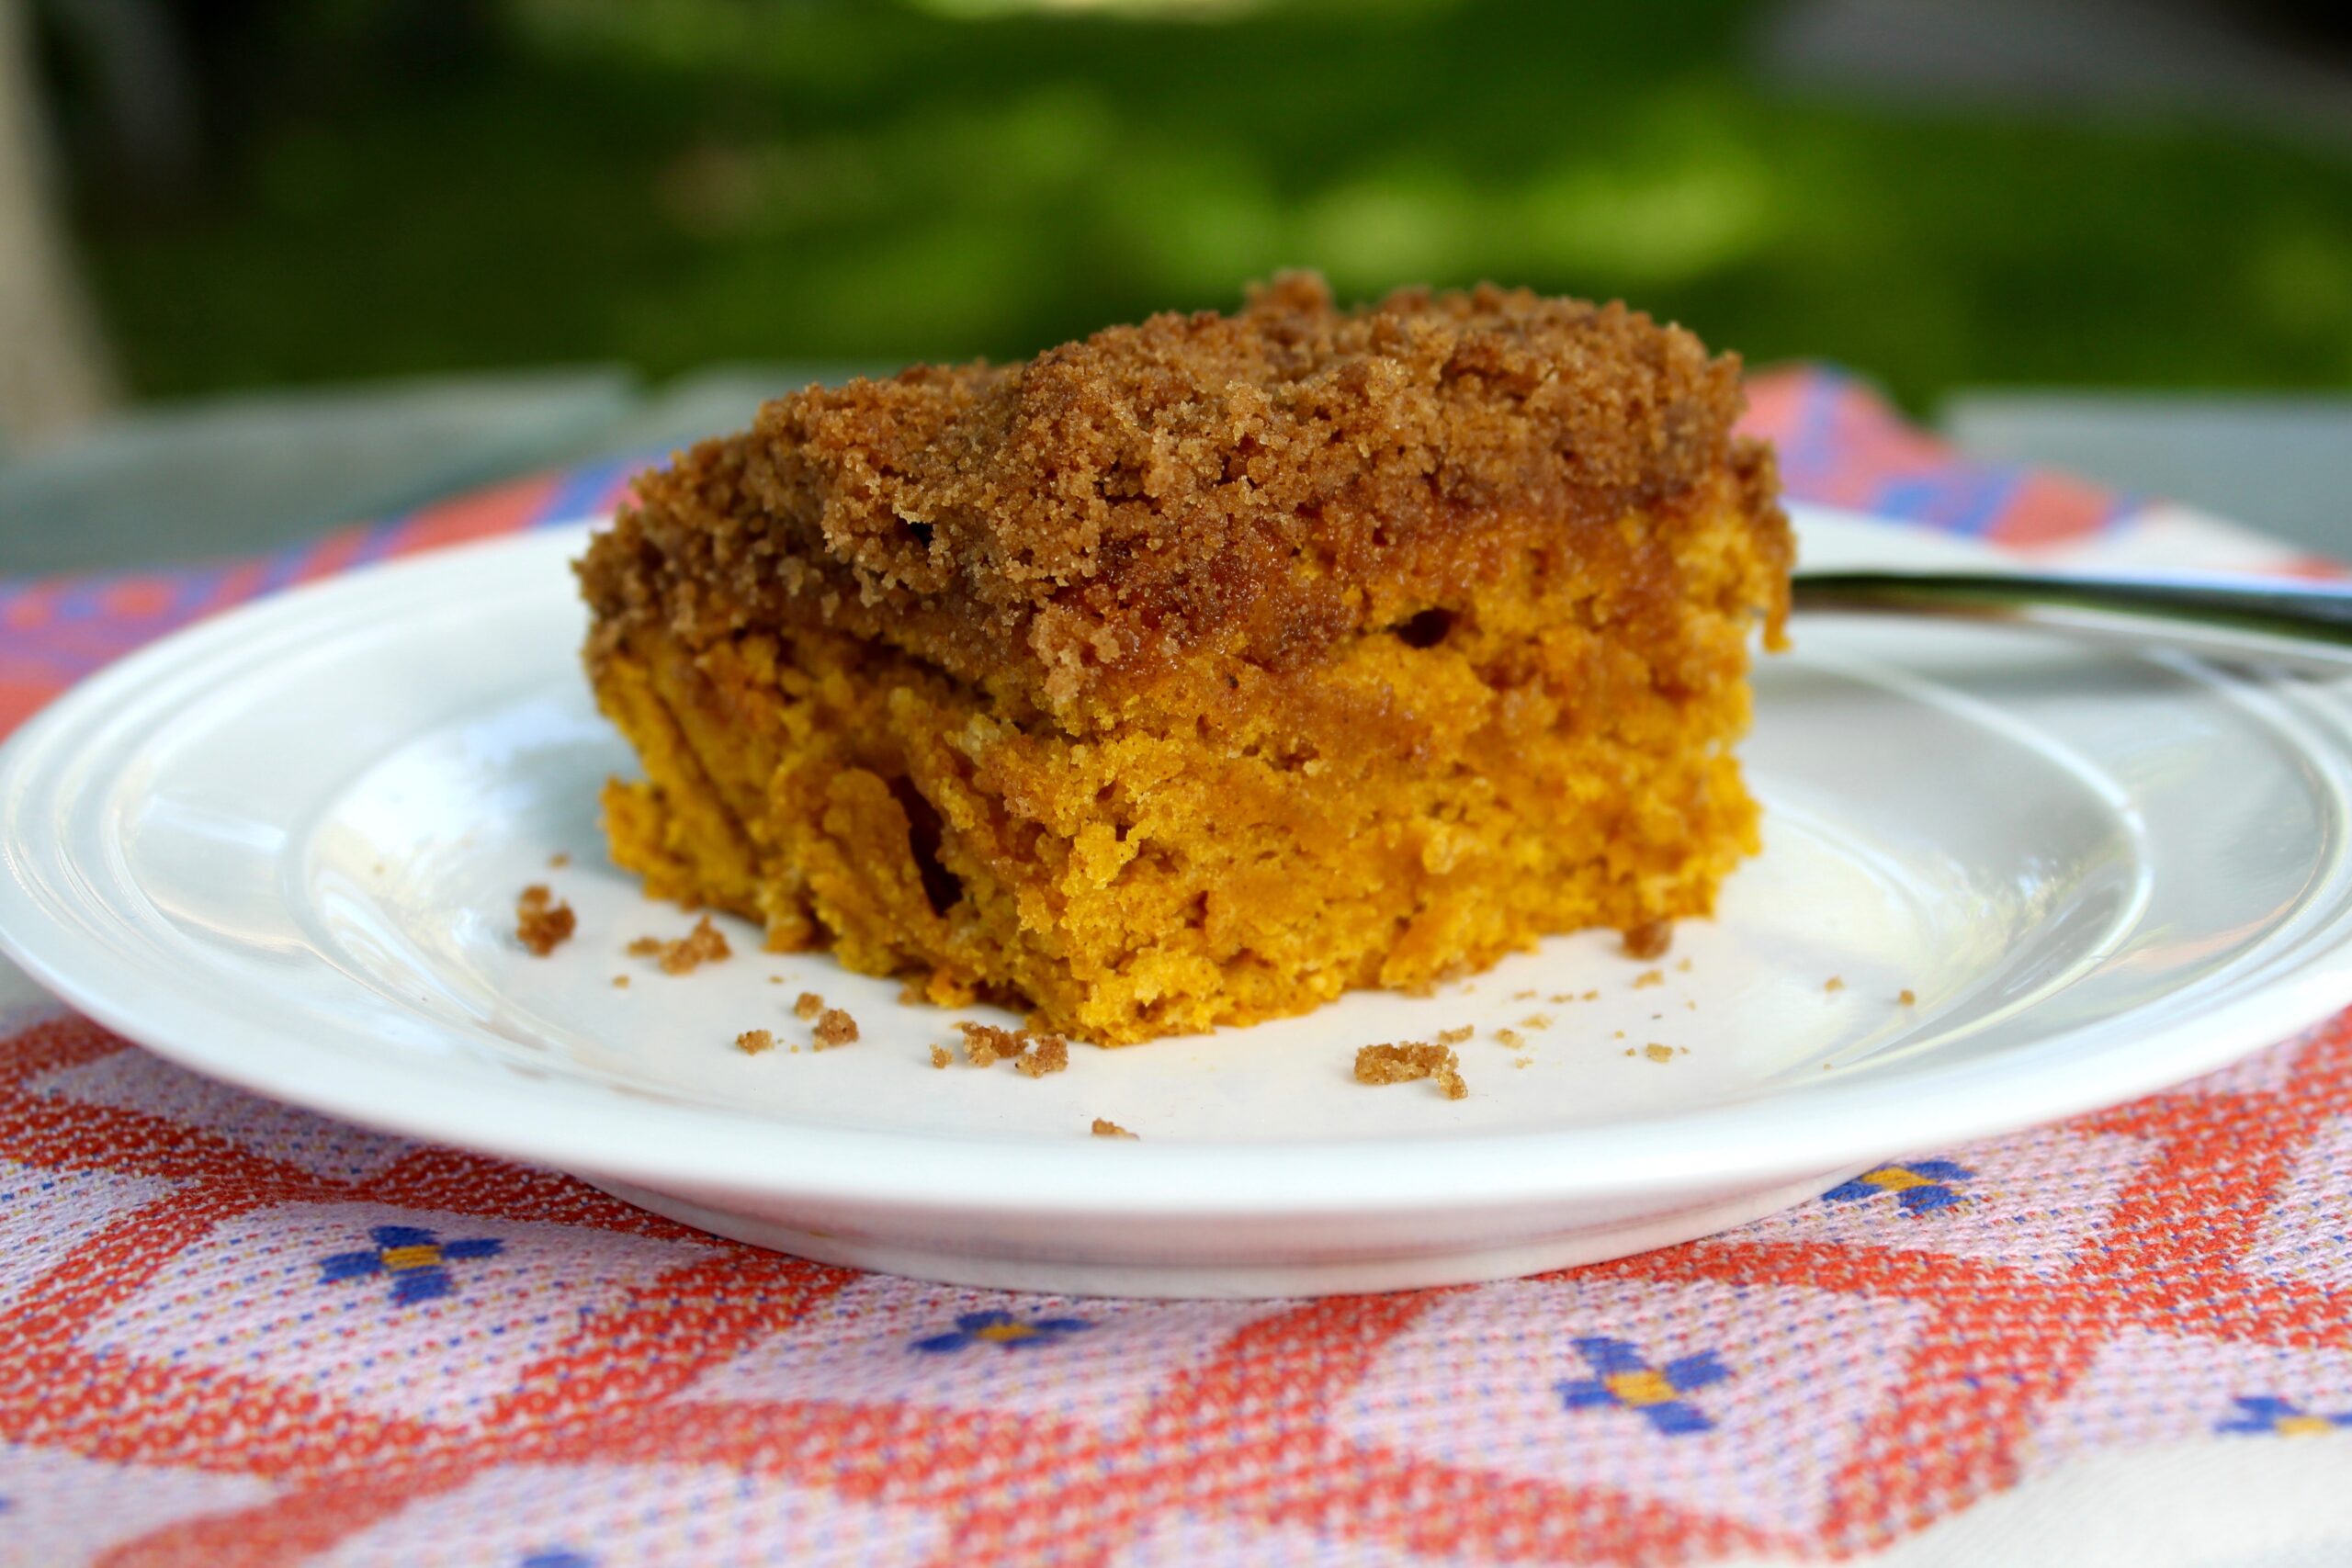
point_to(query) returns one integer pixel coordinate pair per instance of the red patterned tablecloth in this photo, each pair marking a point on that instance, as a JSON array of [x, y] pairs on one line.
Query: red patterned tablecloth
[[234, 1333]]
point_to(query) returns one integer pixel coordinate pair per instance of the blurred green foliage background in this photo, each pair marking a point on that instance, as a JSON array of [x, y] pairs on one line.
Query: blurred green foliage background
[[388, 188]]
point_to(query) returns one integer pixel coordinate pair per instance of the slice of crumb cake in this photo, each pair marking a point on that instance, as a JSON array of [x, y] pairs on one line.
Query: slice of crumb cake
[[1198, 672]]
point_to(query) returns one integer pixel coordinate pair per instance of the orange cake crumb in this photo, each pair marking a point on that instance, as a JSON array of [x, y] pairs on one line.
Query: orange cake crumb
[[911, 660], [1649, 940], [1522, 996], [1683, 968], [559, 860], [540, 923], [1454, 1036], [620, 982], [1658, 1053], [775, 979], [1835, 983], [1412, 1061], [1105, 1128], [1509, 1037], [751, 1041], [1648, 977], [645, 947], [834, 1028], [807, 1005], [1908, 998], [941, 1057], [1536, 1020]]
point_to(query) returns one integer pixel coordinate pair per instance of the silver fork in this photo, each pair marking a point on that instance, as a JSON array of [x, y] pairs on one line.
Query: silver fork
[[2303, 625]]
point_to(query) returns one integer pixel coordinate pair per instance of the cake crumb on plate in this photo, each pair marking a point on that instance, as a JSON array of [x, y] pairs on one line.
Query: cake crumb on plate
[[1106, 1128], [751, 1041], [1649, 940], [808, 1005], [542, 924], [1049, 1055], [834, 1028], [1410, 1061]]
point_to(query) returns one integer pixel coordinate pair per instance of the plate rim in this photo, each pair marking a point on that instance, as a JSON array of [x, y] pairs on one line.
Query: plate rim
[[572, 1124]]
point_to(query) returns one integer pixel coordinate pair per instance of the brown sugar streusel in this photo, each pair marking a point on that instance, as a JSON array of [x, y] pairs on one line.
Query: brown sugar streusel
[[542, 924], [751, 1041], [704, 944], [808, 1005], [1408, 1062], [1649, 940], [1034, 1055], [1105, 1128], [1048, 1055], [834, 1028]]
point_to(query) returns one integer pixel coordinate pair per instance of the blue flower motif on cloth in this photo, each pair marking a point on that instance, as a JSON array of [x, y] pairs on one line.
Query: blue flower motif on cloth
[[558, 1557], [1625, 1379], [1922, 1186], [2282, 1418], [1002, 1328], [416, 1261]]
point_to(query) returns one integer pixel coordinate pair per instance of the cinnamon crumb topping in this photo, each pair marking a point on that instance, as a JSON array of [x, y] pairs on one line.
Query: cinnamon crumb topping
[[1034, 1055], [751, 1041], [1048, 1055], [835, 1027], [1409, 1061], [1649, 940], [540, 923], [704, 944], [1104, 1128]]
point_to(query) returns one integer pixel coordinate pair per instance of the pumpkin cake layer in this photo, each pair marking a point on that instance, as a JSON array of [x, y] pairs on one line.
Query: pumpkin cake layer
[[1198, 672]]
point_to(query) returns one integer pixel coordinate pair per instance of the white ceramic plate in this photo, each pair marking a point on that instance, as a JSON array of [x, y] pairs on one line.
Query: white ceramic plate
[[283, 848]]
